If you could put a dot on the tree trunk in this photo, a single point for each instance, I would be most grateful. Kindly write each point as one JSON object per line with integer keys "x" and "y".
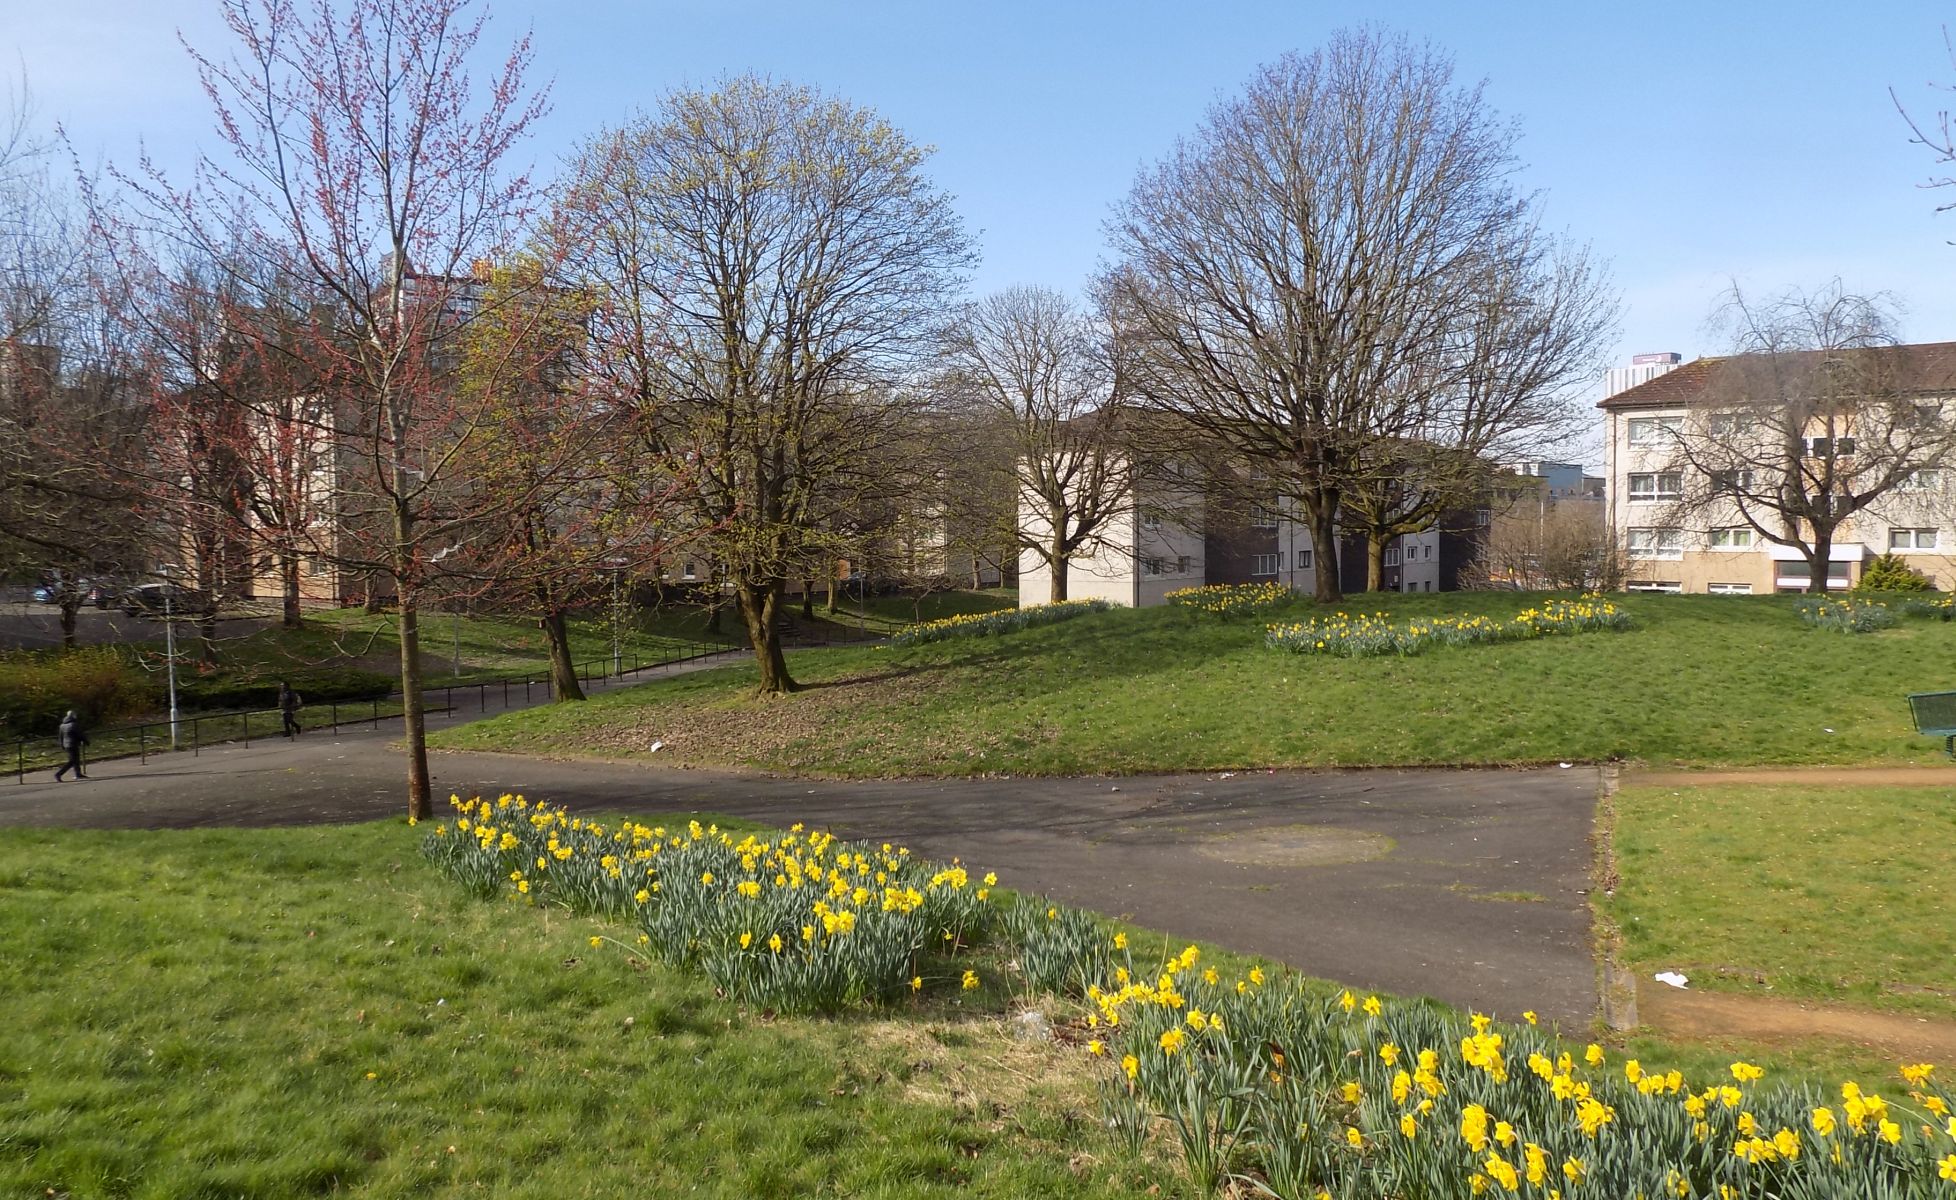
{"x": 69, "y": 607}
{"x": 1057, "y": 559}
{"x": 1818, "y": 552}
{"x": 808, "y": 599}
{"x": 1324, "y": 543}
{"x": 563, "y": 670}
{"x": 206, "y": 625}
{"x": 760, "y": 608}
{"x": 713, "y": 602}
{"x": 372, "y": 603}
{"x": 414, "y": 725}
{"x": 288, "y": 577}
{"x": 831, "y": 606}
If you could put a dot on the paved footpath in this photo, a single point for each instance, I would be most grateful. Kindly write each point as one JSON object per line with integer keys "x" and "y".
{"x": 1465, "y": 885}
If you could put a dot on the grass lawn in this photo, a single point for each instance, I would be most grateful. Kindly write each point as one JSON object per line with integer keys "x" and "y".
{"x": 1837, "y": 893}
{"x": 292, "y": 1012}
{"x": 489, "y": 647}
{"x": 1699, "y": 680}
{"x": 300, "y": 1011}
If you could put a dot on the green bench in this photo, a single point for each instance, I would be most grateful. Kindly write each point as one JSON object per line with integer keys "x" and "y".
{"x": 1935, "y": 716}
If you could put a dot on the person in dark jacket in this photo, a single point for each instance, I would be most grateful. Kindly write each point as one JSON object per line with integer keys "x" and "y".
{"x": 288, "y": 708}
{"x": 72, "y": 738}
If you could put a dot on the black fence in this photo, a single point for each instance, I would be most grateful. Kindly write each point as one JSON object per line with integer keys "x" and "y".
{"x": 197, "y": 730}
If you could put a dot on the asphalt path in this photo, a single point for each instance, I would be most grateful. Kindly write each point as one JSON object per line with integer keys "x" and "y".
{"x": 1469, "y": 886}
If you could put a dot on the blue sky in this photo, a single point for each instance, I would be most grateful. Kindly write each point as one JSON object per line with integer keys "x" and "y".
{"x": 1691, "y": 144}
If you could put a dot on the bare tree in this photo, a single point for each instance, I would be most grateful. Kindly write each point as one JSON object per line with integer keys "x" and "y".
{"x": 1306, "y": 256}
{"x": 773, "y": 260}
{"x": 1030, "y": 366}
{"x": 1936, "y": 134}
{"x": 361, "y": 159}
{"x": 1538, "y": 543}
{"x": 1817, "y": 416}
{"x": 1505, "y": 384}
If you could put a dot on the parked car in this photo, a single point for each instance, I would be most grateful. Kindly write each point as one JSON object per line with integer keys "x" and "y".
{"x": 51, "y": 588}
{"x": 155, "y": 599}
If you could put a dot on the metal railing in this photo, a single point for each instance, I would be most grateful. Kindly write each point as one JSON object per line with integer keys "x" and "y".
{"x": 145, "y": 738}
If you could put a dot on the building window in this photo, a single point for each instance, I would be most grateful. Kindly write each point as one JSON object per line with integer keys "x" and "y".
{"x": 1821, "y": 447}
{"x": 1262, "y": 516}
{"x": 1729, "y": 589}
{"x": 1654, "y": 431}
{"x": 1737, "y": 537}
{"x": 1303, "y": 560}
{"x": 1727, "y": 423}
{"x": 316, "y": 567}
{"x": 1151, "y": 520}
{"x": 1911, "y": 539}
{"x": 1670, "y": 587}
{"x": 1263, "y": 564}
{"x": 1182, "y": 565}
{"x": 1795, "y": 576}
{"x": 1732, "y": 480}
{"x": 1392, "y": 556}
{"x": 1920, "y": 481}
{"x": 1665, "y": 485}
{"x": 1656, "y": 543}
{"x": 1429, "y": 550}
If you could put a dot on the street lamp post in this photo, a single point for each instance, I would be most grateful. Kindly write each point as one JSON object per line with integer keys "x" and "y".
{"x": 170, "y": 645}
{"x": 617, "y": 649}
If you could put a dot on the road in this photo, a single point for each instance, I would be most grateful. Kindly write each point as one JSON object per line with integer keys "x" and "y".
{"x": 1465, "y": 885}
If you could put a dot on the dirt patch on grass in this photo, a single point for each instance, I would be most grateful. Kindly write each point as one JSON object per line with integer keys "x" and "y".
{"x": 718, "y": 730}
{"x": 1702, "y": 1016}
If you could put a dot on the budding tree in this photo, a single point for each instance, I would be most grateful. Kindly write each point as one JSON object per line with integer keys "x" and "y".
{"x": 362, "y": 163}
{"x": 775, "y": 260}
{"x": 66, "y": 421}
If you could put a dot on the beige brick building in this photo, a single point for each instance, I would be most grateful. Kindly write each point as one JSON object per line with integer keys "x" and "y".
{"x": 1686, "y": 529}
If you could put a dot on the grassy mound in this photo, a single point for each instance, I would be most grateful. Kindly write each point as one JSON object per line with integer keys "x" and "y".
{"x": 1696, "y": 680}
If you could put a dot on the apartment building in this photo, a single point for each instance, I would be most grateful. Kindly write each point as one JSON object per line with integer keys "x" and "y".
{"x": 1695, "y": 456}
{"x": 1175, "y": 535}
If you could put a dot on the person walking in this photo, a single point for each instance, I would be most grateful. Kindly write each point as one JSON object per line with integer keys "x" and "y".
{"x": 288, "y": 708}
{"x": 72, "y": 737}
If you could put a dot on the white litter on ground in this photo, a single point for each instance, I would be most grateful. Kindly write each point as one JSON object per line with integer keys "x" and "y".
{"x": 1671, "y": 977}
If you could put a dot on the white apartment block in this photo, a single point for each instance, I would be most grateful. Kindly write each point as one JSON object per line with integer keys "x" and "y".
{"x": 1707, "y": 547}
{"x": 1163, "y": 542}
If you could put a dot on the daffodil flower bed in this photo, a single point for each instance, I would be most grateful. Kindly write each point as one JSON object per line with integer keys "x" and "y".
{"x": 991, "y": 624}
{"x": 1847, "y": 614}
{"x": 1362, "y": 635}
{"x": 797, "y": 924}
{"x": 1304, "y": 1095}
{"x": 1230, "y": 599}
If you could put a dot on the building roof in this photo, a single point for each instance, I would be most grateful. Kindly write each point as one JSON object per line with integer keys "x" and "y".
{"x": 1924, "y": 368}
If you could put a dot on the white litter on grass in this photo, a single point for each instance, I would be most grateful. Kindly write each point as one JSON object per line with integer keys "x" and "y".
{"x": 1564, "y": 766}
{"x": 1824, "y": 729}
{"x": 658, "y": 746}
{"x": 1032, "y": 1026}
{"x": 1671, "y": 977}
